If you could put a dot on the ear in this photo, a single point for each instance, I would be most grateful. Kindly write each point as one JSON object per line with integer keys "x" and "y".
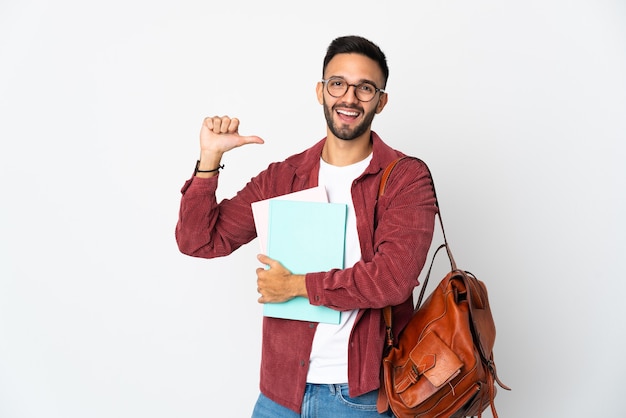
{"x": 319, "y": 89}
{"x": 382, "y": 102}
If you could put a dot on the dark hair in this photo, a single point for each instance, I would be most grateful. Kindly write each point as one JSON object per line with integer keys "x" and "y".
{"x": 357, "y": 45}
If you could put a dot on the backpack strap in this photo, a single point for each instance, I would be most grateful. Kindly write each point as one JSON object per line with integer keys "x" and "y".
{"x": 381, "y": 190}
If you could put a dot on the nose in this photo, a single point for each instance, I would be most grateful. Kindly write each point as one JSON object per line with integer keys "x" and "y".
{"x": 350, "y": 94}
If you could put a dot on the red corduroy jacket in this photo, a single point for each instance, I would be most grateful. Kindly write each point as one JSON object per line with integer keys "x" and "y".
{"x": 395, "y": 235}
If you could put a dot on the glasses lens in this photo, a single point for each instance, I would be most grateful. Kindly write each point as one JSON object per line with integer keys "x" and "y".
{"x": 365, "y": 92}
{"x": 336, "y": 87}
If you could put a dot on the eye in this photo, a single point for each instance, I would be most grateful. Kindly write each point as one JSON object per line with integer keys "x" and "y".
{"x": 367, "y": 88}
{"x": 337, "y": 82}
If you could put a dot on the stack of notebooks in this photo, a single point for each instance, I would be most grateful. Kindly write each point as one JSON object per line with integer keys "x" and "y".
{"x": 306, "y": 234}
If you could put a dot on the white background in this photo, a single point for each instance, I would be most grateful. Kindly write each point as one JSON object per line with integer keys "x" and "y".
{"x": 519, "y": 108}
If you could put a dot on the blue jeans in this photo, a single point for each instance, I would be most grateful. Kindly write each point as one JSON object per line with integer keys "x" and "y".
{"x": 323, "y": 401}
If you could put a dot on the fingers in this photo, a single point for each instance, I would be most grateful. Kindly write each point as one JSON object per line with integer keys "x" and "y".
{"x": 222, "y": 124}
{"x": 272, "y": 282}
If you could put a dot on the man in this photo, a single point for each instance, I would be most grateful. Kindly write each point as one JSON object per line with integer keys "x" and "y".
{"x": 311, "y": 369}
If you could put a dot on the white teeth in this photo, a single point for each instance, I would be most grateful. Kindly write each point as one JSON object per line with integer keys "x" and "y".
{"x": 344, "y": 112}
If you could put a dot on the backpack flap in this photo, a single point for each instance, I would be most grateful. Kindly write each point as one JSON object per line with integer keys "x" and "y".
{"x": 431, "y": 364}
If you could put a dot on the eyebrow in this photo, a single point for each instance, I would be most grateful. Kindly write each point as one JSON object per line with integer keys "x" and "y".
{"x": 363, "y": 80}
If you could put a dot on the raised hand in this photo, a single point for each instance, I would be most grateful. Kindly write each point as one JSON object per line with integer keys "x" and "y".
{"x": 218, "y": 135}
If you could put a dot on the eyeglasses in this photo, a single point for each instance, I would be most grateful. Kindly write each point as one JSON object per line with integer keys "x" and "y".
{"x": 337, "y": 87}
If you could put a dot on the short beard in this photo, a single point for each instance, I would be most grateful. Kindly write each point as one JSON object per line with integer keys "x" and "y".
{"x": 345, "y": 133}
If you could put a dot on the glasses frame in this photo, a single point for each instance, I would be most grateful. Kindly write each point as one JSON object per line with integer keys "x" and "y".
{"x": 376, "y": 89}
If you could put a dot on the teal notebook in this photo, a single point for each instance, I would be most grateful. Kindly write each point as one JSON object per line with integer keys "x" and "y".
{"x": 306, "y": 237}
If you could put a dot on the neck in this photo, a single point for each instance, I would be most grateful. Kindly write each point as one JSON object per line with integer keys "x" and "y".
{"x": 340, "y": 153}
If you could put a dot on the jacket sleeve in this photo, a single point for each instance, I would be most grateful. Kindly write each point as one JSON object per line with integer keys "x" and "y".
{"x": 207, "y": 229}
{"x": 403, "y": 232}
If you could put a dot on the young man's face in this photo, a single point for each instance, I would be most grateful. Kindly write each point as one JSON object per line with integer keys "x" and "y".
{"x": 347, "y": 116}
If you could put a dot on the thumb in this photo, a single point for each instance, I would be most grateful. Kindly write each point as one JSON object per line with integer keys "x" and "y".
{"x": 266, "y": 260}
{"x": 251, "y": 139}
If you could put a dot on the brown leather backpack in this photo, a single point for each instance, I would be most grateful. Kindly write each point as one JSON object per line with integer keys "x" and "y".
{"x": 441, "y": 364}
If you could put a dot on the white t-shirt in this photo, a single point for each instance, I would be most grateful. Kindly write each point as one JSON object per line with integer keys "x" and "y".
{"x": 329, "y": 355}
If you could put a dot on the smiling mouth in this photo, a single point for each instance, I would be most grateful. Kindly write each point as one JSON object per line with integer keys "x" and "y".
{"x": 348, "y": 113}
